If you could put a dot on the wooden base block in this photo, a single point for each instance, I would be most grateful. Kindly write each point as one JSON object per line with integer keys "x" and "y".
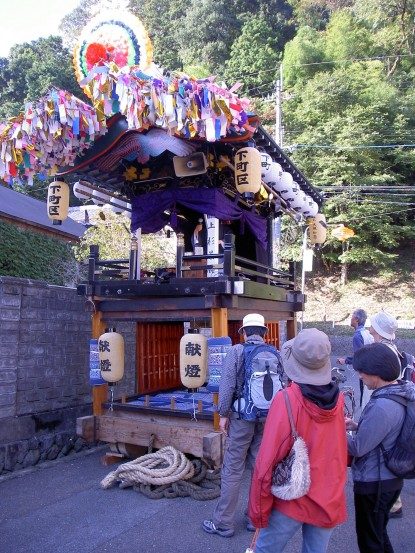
{"x": 85, "y": 427}
{"x": 112, "y": 458}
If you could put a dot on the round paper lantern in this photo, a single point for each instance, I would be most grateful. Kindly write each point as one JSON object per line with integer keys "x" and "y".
{"x": 193, "y": 359}
{"x": 289, "y": 189}
{"x": 58, "y": 201}
{"x": 318, "y": 229}
{"x": 266, "y": 162}
{"x": 111, "y": 355}
{"x": 100, "y": 198}
{"x": 273, "y": 175}
{"x": 248, "y": 171}
{"x": 118, "y": 205}
{"x": 311, "y": 208}
{"x": 298, "y": 202}
{"x": 82, "y": 191}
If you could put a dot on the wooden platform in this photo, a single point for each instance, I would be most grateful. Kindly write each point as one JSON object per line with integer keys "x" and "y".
{"x": 195, "y": 437}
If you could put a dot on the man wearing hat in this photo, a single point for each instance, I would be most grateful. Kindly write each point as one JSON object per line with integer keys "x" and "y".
{"x": 318, "y": 414}
{"x": 243, "y": 437}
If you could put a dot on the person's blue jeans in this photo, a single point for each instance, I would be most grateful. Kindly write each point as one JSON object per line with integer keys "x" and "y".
{"x": 281, "y": 529}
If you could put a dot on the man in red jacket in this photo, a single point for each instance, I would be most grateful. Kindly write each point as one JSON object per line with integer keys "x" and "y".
{"x": 318, "y": 412}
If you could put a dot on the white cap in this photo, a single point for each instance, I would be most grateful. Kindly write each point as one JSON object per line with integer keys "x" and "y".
{"x": 384, "y": 324}
{"x": 252, "y": 319}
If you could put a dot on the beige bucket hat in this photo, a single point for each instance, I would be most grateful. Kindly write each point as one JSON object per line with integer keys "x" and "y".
{"x": 306, "y": 358}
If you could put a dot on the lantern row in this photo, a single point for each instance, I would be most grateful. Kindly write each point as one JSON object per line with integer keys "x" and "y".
{"x": 252, "y": 167}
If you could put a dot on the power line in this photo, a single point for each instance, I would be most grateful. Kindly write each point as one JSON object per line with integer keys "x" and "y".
{"x": 294, "y": 147}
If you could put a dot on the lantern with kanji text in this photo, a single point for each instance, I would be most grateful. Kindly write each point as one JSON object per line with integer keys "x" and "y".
{"x": 318, "y": 229}
{"x": 193, "y": 359}
{"x": 111, "y": 355}
{"x": 58, "y": 201}
{"x": 248, "y": 172}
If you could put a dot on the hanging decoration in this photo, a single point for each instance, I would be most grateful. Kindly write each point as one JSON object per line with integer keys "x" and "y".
{"x": 318, "y": 229}
{"x": 49, "y": 134}
{"x": 248, "y": 171}
{"x": 113, "y": 36}
{"x": 58, "y": 201}
{"x": 342, "y": 233}
{"x": 193, "y": 359}
{"x": 111, "y": 355}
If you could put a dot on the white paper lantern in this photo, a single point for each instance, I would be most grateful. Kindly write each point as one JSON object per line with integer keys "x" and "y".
{"x": 111, "y": 355}
{"x": 299, "y": 202}
{"x": 273, "y": 176}
{"x": 318, "y": 229}
{"x": 248, "y": 171}
{"x": 266, "y": 162}
{"x": 311, "y": 209}
{"x": 100, "y": 198}
{"x": 117, "y": 205}
{"x": 193, "y": 359}
{"x": 82, "y": 191}
{"x": 58, "y": 201}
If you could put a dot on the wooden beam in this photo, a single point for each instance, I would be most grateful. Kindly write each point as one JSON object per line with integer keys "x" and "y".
{"x": 186, "y": 435}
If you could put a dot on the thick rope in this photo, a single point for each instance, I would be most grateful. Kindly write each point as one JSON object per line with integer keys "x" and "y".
{"x": 162, "y": 467}
{"x": 203, "y": 486}
{"x": 167, "y": 473}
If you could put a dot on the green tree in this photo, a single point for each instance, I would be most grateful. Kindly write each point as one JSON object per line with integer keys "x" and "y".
{"x": 347, "y": 38}
{"x": 207, "y": 33}
{"x": 303, "y": 56}
{"x": 379, "y": 232}
{"x": 254, "y": 58}
{"x": 31, "y": 69}
{"x": 111, "y": 233}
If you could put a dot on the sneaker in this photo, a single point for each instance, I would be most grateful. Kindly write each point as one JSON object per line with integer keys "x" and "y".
{"x": 250, "y": 527}
{"x": 396, "y": 514}
{"x": 210, "y": 527}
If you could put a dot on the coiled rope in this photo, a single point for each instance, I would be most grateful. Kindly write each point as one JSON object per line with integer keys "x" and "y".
{"x": 166, "y": 473}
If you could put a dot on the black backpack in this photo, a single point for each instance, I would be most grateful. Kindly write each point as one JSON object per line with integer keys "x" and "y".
{"x": 401, "y": 458}
{"x": 407, "y": 366}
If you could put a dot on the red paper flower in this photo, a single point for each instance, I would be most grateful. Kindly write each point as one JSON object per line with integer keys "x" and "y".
{"x": 95, "y": 54}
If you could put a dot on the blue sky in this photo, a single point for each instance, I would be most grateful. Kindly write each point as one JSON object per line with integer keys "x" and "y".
{"x": 26, "y": 20}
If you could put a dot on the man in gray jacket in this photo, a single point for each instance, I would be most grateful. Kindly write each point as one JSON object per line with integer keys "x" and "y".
{"x": 243, "y": 437}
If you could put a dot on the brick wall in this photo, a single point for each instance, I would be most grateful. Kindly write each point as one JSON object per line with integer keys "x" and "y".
{"x": 44, "y": 370}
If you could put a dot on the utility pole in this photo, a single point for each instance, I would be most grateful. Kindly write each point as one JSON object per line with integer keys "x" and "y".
{"x": 278, "y": 108}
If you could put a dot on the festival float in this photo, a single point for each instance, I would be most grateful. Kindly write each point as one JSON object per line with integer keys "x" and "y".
{"x": 180, "y": 153}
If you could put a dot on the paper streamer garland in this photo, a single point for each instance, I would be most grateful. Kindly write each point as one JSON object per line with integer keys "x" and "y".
{"x": 187, "y": 107}
{"x": 50, "y": 134}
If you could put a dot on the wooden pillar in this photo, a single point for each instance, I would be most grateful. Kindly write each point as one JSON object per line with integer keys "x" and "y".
{"x": 99, "y": 393}
{"x": 219, "y": 317}
{"x": 292, "y": 328}
{"x": 219, "y": 321}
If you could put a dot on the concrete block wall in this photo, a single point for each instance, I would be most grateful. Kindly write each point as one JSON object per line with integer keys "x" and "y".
{"x": 44, "y": 370}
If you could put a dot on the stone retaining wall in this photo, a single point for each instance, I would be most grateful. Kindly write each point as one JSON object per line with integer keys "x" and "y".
{"x": 44, "y": 371}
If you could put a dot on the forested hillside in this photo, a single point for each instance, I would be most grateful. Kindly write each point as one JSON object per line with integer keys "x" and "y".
{"x": 348, "y": 98}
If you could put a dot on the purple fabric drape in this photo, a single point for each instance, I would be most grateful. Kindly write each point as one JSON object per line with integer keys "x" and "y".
{"x": 148, "y": 209}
